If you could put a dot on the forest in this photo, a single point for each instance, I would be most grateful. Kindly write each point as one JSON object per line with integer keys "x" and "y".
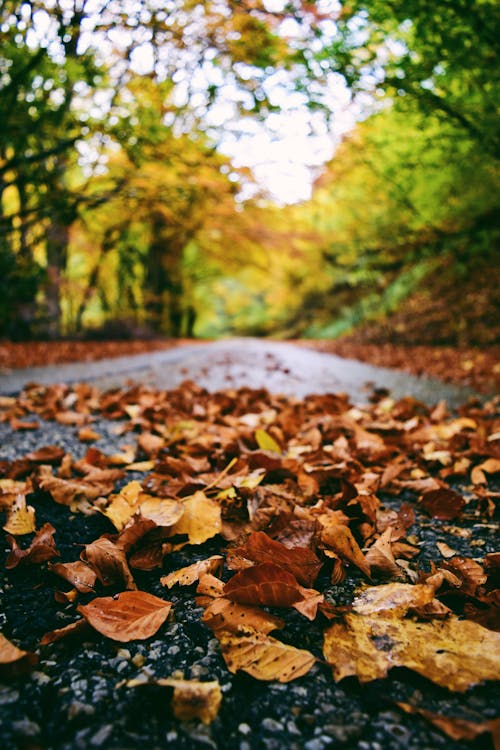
{"x": 121, "y": 215}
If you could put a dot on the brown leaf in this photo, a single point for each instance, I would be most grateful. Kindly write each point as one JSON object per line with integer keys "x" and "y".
{"x": 381, "y": 558}
{"x": 223, "y": 614}
{"x": 265, "y": 583}
{"x": 42, "y": 548}
{"x": 263, "y": 657}
{"x": 299, "y": 561}
{"x": 339, "y": 538}
{"x": 48, "y": 454}
{"x": 79, "y": 628}
{"x": 109, "y": 562}
{"x": 88, "y": 435}
{"x": 191, "y": 699}
{"x": 455, "y": 727}
{"x": 131, "y": 615}
{"x": 443, "y": 504}
{"x": 191, "y": 573}
{"x": 78, "y": 574}
{"x": 455, "y": 654}
{"x": 13, "y": 660}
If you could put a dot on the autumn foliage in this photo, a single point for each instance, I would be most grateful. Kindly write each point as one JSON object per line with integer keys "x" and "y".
{"x": 298, "y": 497}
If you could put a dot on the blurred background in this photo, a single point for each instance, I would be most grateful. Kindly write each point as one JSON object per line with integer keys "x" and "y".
{"x": 267, "y": 168}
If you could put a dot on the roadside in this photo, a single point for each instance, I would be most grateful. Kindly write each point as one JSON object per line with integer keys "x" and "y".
{"x": 467, "y": 366}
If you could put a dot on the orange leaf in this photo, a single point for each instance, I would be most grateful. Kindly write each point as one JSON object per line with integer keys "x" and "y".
{"x": 14, "y": 660}
{"x": 339, "y": 538}
{"x": 266, "y": 584}
{"x": 131, "y": 615}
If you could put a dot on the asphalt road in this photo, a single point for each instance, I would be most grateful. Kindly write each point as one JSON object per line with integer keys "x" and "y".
{"x": 232, "y": 363}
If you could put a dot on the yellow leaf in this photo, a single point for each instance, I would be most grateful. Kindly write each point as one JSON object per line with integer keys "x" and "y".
{"x": 201, "y": 519}
{"x": 453, "y": 653}
{"x": 191, "y": 573}
{"x": 266, "y": 442}
{"x": 264, "y": 657}
{"x": 20, "y": 517}
{"x": 191, "y": 699}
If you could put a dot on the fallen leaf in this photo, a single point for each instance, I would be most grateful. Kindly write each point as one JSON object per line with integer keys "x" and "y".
{"x": 264, "y": 657}
{"x": 265, "y": 583}
{"x": 191, "y": 573}
{"x": 223, "y": 614}
{"x": 266, "y": 442}
{"x": 78, "y": 574}
{"x": 130, "y": 616}
{"x": 42, "y": 548}
{"x": 455, "y": 727}
{"x": 109, "y": 562}
{"x": 443, "y": 504}
{"x": 201, "y": 519}
{"x": 340, "y": 539}
{"x": 20, "y": 517}
{"x": 453, "y": 653}
{"x": 299, "y": 561}
{"x": 191, "y": 699}
{"x": 13, "y": 660}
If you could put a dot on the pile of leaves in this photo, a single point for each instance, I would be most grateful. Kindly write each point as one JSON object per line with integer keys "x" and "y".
{"x": 297, "y": 497}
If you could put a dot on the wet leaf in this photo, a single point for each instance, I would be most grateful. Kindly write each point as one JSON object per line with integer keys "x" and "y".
{"x": 78, "y": 574}
{"x": 130, "y": 616}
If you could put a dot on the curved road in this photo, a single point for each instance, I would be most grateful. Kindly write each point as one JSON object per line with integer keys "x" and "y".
{"x": 231, "y": 363}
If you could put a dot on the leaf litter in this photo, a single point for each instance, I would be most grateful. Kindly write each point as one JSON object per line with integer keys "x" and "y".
{"x": 298, "y": 497}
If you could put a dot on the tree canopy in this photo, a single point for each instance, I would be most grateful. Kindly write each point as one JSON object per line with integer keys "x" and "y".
{"x": 119, "y": 209}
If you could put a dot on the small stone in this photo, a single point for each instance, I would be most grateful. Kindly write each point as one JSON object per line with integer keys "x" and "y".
{"x": 100, "y": 737}
{"x": 244, "y": 728}
{"x": 26, "y": 728}
{"x": 272, "y": 725}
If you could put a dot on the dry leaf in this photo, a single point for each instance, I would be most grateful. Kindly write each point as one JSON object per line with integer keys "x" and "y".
{"x": 109, "y": 562}
{"x": 340, "y": 539}
{"x": 80, "y": 628}
{"x": 191, "y": 699}
{"x": 13, "y": 660}
{"x": 266, "y": 442}
{"x": 264, "y": 658}
{"x": 191, "y": 573}
{"x": 201, "y": 519}
{"x": 266, "y": 584}
{"x": 396, "y": 598}
{"x": 42, "y": 548}
{"x": 223, "y": 614}
{"x": 130, "y": 616}
{"x": 78, "y": 574}
{"x": 455, "y": 654}
{"x": 20, "y": 517}
{"x": 299, "y": 561}
{"x": 443, "y": 504}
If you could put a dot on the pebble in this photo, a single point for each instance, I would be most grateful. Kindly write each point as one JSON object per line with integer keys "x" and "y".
{"x": 100, "y": 737}
{"x": 272, "y": 725}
